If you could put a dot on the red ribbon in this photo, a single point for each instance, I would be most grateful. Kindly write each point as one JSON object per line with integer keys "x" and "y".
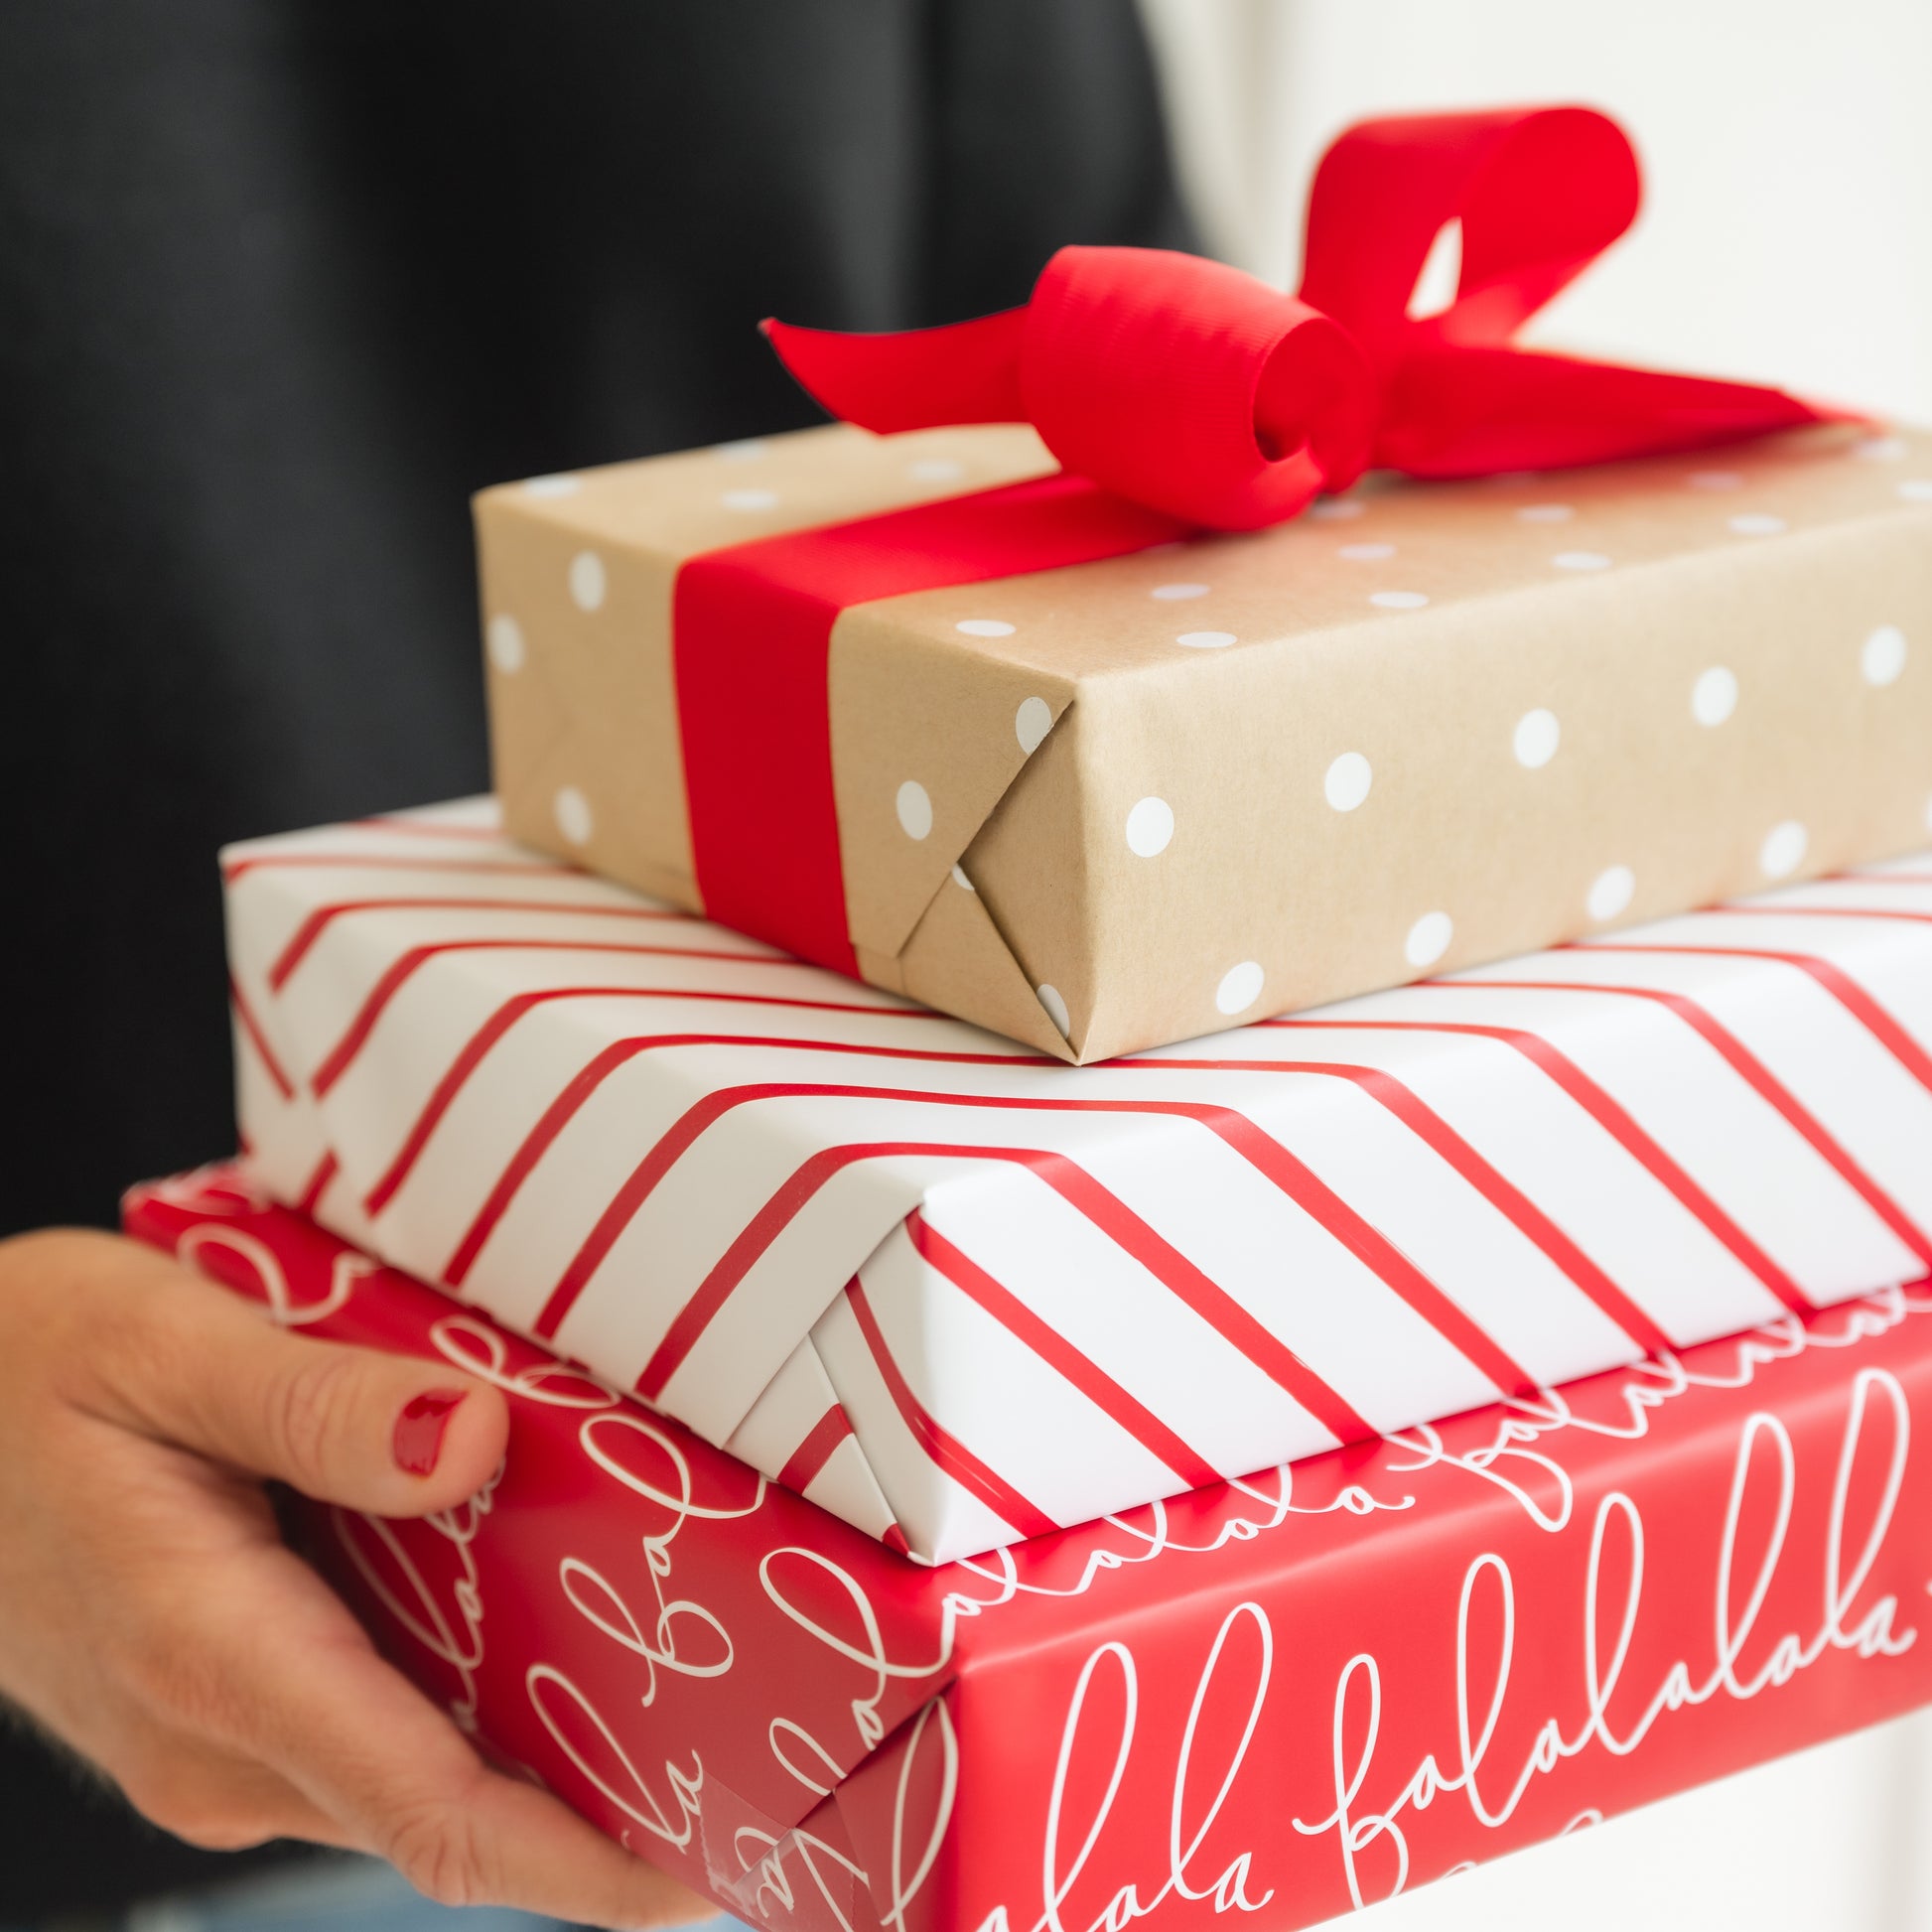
{"x": 1178, "y": 394}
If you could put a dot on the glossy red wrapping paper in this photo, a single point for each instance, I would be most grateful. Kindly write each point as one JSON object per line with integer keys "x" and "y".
{"x": 1260, "y": 1703}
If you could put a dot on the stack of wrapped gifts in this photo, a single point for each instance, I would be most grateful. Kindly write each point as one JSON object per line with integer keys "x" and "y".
{"x": 1198, "y": 1185}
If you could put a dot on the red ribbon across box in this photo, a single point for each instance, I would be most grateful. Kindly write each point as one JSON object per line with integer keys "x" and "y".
{"x": 1180, "y": 395}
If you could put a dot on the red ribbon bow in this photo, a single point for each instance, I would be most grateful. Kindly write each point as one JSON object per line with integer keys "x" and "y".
{"x": 1178, "y": 394}
{"x": 1194, "y": 389}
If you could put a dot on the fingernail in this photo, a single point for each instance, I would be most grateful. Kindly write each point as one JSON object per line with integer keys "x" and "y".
{"x": 418, "y": 1439}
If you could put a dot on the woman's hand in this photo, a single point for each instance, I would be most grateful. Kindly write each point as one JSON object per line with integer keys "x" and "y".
{"x": 150, "y": 1615}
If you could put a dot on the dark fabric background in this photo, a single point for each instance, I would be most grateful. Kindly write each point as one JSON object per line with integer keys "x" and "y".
{"x": 280, "y": 284}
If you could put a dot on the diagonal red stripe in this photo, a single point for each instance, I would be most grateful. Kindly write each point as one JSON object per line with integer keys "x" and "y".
{"x": 1370, "y": 1246}
{"x": 324, "y": 916}
{"x": 384, "y": 861}
{"x": 1615, "y": 1121}
{"x": 1295, "y": 1178}
{"x": 259, "y": 1041}
{"x": 406, "y": 965}
{"x": 1061, "y": 1355}
{"x": 812, "y": 1454}
{"x": 1495, "y": 1186}
{"x": 1166, "y": 1262}
{"x": 1766, "y": 1085}
{"x": 558, "y": 1114}
{"x": 950, "y": 1455}
{"x": 1428, "y": 1126}
{"x": 1833, "y": 978}
{"x": 318, "y": 1186}
{"x": 1105, "y": 1211}
{"x": 1826, "y": 912}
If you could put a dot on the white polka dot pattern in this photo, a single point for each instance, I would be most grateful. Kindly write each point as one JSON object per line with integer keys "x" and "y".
{"x": 1345, "y": 784}
{"x": 1239, "y": 989}
{"x": 572, "y": 811}
{"x": 1883, "y": 656}
{"x": 504, "y": 637}
{"x": 1610, "y": 893}
{"x": 1536, "y": 739}
{"x": 1049, "y": 998}
{"x": 914, "y": 807}
{"x": 1428, "y": 940}
{"x": 1783, "y": 850}
{"x": 1150, "y": 827}
{"x": 587, "y": 582}
{"x": 1536, "y": 720}
{"x": 1714, "y": 697}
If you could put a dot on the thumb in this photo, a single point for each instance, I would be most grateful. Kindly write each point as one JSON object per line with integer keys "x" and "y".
{"x": 180, "y": 1359}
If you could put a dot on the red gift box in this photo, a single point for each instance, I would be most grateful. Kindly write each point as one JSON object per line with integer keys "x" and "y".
{"x": 1279, "y": 1697}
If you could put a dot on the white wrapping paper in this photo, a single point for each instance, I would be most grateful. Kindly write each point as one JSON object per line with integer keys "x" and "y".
{"x": 960, "y": 1294}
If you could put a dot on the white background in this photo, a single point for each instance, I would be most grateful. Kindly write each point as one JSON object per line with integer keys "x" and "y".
{"x": 1786, "y": 234}
{"x": 1786, "y": 237}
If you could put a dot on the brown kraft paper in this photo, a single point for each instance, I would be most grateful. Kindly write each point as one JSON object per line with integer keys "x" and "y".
{"x": 1424, "y": 725}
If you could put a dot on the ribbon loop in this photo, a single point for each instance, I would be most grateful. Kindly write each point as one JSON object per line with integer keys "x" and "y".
{"x": 1539, "y": 192}
{"x": 1191, "y": 387}
{"x": 1198, "y": 391}
{"x": 1179, "y": 383}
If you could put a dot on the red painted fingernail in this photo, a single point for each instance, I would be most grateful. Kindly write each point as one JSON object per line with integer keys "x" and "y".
{"x": 418, "y": 1439}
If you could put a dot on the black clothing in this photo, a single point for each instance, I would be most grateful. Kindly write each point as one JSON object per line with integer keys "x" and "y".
{"x": 281, "y": 282}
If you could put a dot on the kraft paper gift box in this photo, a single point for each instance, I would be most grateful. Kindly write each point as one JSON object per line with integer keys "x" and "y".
{"x": 977, "y": 714}
{"x": 1142, "y": 799}
{"x": 1281, "y": 1698}
{"x": 960, "y": 1294}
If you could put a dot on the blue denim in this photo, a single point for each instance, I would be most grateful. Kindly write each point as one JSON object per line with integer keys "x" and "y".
{"x": 329, "y": 1896}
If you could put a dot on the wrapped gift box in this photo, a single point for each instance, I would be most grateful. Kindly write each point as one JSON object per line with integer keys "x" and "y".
{"x": 961, "y": 1294}
{"x": 1148, "y": 798}
{"x": 1287, "y": 1696}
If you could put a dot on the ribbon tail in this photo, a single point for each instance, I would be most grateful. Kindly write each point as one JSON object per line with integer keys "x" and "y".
{"x": 1461, "y": 411}
{"x": 917, "y": 378}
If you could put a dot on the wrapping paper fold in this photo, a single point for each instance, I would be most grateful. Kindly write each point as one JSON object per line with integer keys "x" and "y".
{"x": 1283, "y": 1697}
{"x": 1147, "y": 797}
{"x": 960, "y": 1294}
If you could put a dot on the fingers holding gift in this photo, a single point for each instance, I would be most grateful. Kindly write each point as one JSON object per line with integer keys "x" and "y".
{"x": 188, "y": 1364}
{"x": 214, "y": 1800}
{"x": 399, "y": 1778}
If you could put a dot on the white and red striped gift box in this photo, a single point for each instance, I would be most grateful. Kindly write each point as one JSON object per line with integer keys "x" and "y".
{"x": 960, "y": 1294}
